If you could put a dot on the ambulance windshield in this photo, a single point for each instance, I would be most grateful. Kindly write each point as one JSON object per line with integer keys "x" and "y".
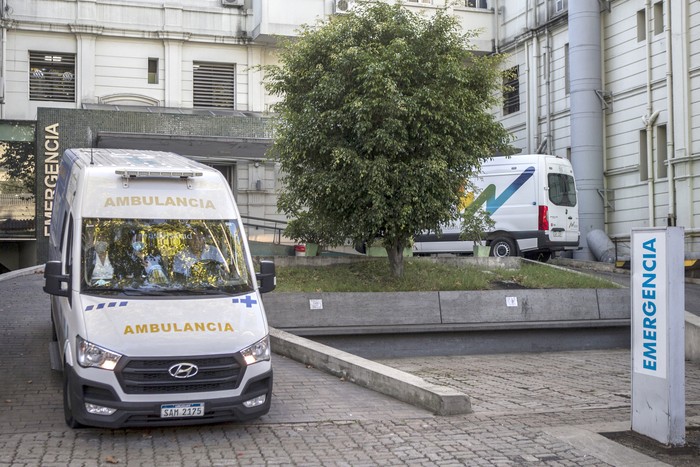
{"x": 163, "y": 257}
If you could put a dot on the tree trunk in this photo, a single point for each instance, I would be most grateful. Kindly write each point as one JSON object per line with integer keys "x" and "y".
{"x": 395, "y": 254}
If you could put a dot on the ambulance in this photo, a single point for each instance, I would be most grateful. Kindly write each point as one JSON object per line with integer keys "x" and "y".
{"x": 532, "y": 199}
{"x": 155, "y": 303}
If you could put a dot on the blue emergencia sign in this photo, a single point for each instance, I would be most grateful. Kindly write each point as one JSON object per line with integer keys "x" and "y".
{"x": 649, "y": 303}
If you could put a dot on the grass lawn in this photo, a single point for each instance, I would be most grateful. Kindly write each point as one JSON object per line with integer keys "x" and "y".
{"x": 373, "y": 275}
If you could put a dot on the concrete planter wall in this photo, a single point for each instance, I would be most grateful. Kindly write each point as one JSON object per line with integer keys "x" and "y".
{"x": 388, "y": 324}
{"x": 348, "y": 313}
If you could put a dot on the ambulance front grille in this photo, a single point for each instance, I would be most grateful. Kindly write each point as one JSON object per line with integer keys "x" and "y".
{"x": 153, "y": 375}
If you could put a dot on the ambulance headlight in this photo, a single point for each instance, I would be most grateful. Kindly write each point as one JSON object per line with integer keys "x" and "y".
{"x": 258, "y": 352}
{"x": 91, "y": 355}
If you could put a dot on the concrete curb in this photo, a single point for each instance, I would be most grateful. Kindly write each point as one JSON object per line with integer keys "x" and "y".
{"x": 22, "y": 272}
{"x": 590, "y": 439}
{"x": 381, "y": 378}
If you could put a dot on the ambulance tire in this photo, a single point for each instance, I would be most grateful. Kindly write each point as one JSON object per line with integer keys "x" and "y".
{"x": 502, "y": 247}
{"x": 67, "y": 410}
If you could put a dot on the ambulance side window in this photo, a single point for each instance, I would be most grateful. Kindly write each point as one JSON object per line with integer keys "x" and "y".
{"x": 67, "y": 247}
{"x": 61, "y": 243}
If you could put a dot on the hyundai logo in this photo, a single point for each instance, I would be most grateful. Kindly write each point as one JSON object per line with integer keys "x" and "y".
{"x": 183, "y": 370}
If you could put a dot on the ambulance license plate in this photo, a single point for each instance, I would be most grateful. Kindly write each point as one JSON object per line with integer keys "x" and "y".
{"x": 194, "y": 409}
{"x": 558, "y": 233}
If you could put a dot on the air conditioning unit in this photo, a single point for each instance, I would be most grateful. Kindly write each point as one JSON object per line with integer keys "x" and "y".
{"x": 343, "y": 6}
{"x": 234, "y": 3}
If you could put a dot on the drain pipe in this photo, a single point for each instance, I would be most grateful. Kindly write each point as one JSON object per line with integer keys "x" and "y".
{"x": 497, "y": 25}
{"x": 3, "y": 62}
{"x": 586, "y": 117}
{"x": 669, "y": 134}
{"x": 649, "y": 120}
{"x": 606, "y": 198}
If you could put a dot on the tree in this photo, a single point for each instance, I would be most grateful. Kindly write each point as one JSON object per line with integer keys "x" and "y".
{"x": 17, "y": 159}
{"x": 475, "y": 221}
{"x": 383, "y": 116}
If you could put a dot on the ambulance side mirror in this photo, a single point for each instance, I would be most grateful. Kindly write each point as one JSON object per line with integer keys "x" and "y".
{"x": 267, "y": 277}
{"x": 54, "y": 277}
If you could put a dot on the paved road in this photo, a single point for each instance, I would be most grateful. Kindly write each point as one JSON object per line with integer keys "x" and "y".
{"x": 530, "y": 409}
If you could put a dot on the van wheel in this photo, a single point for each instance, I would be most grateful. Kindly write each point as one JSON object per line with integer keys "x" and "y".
{"x": 67, "y": 410}
{"x": 502, "y": 247}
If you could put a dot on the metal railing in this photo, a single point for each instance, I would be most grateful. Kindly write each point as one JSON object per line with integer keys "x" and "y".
{"x": 254, "y": 224}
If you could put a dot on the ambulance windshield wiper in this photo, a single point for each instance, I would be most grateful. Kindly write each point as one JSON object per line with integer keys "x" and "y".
{"x": 102, "y": 290}
{"x": 198, "y": 291}
{"x": 141, "y": 291}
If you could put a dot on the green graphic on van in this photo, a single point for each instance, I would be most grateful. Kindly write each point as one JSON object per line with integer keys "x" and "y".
{"x": 493, "y": 202}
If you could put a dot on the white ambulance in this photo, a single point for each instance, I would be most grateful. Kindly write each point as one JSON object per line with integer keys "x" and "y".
{"x": 155, "y": 304}
{"x": 531, "y": 198}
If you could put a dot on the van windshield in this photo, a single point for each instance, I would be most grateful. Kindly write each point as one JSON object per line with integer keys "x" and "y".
{"x": 562, "y": 189}
{"x": 163, "y": 257}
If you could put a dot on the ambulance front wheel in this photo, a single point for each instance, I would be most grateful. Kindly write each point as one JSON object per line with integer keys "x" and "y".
{"x": 502, "y": 247}
{"x": 67, "y": 409}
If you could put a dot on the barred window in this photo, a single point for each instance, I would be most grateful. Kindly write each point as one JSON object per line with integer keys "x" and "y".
{"x": 51, "y": 76}
{"x": 511, "y": 91}
{"x": 476, "y": 4}
{"x": 214, "y": 85}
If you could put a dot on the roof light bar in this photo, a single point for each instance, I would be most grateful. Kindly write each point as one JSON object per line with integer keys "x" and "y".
{"x": 144, "y": 173}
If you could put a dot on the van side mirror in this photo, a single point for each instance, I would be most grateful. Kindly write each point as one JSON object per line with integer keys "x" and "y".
{"x": 267, "y": 277}
{"x": 55, "y": 279}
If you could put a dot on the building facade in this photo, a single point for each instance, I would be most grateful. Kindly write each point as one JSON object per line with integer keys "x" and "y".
{"x": 615, "y": 87}
{"x": 612, "y": 85}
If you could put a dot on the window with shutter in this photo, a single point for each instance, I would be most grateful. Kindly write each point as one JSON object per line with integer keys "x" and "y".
{"x": 214, "y": 85}
{"x": 511, "y": 91}
{"x": 51, "y": 76}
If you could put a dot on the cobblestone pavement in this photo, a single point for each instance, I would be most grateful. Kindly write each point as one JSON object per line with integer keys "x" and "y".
{"x": 521, "y": 404}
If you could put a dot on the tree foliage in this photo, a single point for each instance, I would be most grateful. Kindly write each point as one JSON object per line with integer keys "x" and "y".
{"x": 17, "y": 160}
{"x": 308, "y": 228}
{"x": 476, "y": 221}
{"x": 384, "y": 115}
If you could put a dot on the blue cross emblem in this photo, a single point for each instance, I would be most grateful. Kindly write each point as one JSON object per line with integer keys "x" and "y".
{"x": 248, "y": 300}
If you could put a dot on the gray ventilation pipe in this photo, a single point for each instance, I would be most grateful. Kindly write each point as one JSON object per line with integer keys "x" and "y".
{"x": 586, "y": 117}
{"x": 601, "y": 246}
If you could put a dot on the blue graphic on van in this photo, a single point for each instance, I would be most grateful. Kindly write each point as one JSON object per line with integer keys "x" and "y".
{"x": 100, "y": 306}
{"x": 248, "y": 300}
{"x": 493, "y": 202}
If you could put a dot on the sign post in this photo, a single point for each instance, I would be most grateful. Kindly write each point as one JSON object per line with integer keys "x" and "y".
{"x": 658, "y": 339}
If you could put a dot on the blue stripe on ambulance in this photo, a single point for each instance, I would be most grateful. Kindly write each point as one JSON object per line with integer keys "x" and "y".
{"x": 100, "y": 306}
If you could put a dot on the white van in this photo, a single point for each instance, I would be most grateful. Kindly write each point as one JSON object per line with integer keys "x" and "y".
{"x": 156, "y": 309}
{"x": 531, "y": 198}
